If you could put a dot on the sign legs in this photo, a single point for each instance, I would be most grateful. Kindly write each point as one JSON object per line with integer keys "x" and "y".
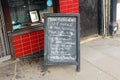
{"x": 78, "y": 68}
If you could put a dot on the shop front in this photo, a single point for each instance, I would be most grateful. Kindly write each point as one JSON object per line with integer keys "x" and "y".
{"x": 24, "y": 23}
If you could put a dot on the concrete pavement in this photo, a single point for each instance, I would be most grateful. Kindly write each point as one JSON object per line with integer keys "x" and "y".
{"x": 100, "y": 60}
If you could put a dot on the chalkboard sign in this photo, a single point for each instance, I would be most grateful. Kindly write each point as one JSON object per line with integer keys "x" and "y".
{"x": 62, "y": 39}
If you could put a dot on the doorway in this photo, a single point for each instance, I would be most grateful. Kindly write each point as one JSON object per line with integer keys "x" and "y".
{"x": 4, "y": 46}
{"x": 89, "y": 17}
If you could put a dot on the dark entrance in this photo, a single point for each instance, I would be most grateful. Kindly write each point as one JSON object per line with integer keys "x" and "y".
{"x": 4, "y": 47}
{"x": 89, "y": 17}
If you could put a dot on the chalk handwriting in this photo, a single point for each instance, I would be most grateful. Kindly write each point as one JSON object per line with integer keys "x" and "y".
{"x": 62, "y": 35}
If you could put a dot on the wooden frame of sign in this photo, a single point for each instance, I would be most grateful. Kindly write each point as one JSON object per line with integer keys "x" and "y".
{"x": 62, "y": 39}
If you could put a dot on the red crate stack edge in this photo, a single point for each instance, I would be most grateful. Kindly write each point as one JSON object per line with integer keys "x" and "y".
{"x": 28, "y": 43}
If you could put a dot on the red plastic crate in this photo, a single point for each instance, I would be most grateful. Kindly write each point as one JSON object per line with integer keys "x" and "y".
{"x": 27, "y": 52}
{"x": 18, "y": 55}
{"x": 35, "y": 49}
{"x": 25, "y": 35}
{"x": 17, "y": 51}
{"x": 69, "y": 6}
{"x": 28, "y": 47}
{"x": 16, "y": 38}
{"x": 17, "y": 46}
{"x": 28, "y": 43}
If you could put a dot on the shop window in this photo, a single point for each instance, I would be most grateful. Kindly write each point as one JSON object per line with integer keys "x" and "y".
{"x": 26, "y": 12}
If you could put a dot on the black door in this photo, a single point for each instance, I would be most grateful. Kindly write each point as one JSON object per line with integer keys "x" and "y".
{"x": 89, "y": 17}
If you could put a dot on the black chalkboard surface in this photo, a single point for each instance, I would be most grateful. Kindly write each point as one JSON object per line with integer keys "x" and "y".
{"x": 62, "y": 39}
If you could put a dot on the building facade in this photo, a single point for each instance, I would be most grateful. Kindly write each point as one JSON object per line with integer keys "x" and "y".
{"x": 22, "y": 22}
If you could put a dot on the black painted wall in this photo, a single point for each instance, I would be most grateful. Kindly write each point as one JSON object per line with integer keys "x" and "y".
{"x": 89, "y": 17}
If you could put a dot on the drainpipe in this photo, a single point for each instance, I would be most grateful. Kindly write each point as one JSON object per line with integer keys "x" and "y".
{"x": 103, "y": 20}
{"x": 104, "y": 16}
{"x": 113, "y": 24}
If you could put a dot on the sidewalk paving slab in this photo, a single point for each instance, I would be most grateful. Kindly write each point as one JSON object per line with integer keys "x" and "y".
{"x": 100, "y": 60}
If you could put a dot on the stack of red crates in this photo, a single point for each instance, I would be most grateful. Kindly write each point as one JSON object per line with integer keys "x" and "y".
{"x": 28, "y": 43}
